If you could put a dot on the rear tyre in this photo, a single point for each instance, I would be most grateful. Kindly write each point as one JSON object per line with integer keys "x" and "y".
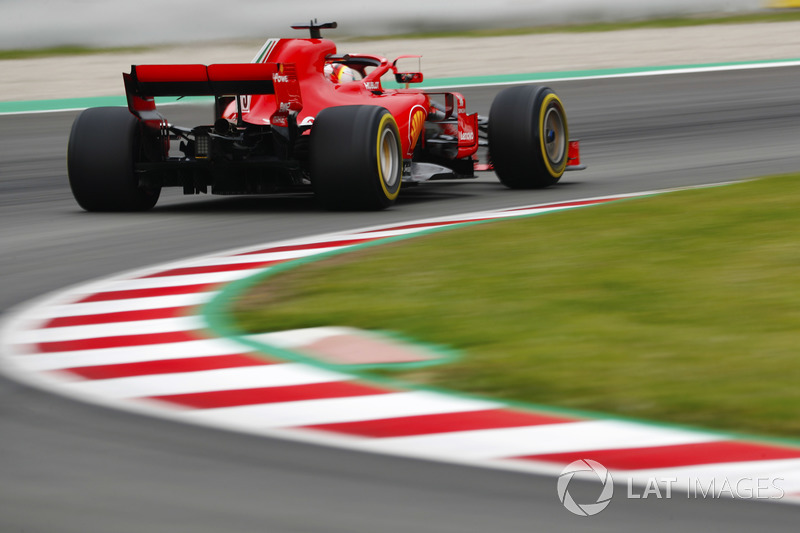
{"x": 356, "y": 160}
{"x": 104, "y": 144}
{"x": 528, "y": 137}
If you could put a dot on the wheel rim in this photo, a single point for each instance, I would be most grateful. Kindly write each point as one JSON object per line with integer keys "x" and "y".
{"x": 555, "y": 138}
{"x": 388, "y": 156}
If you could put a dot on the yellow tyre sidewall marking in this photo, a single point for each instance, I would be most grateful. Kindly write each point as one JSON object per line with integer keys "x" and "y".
{"x": 550, "y": 98}
{"x": 383, "y": 123}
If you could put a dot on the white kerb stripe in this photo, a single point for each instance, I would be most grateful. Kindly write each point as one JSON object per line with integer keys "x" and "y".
{"x": 746, "y": 474}
{"x": 536, "y": 440}
{"x": 116, "y": 329}
{"x": 264, "y": 257}
{"x": 127, "y": 354}
{"x": 225, "y": 379}
{"x": 126, "y": 304}
{"x": 327, "y": 411}
{"x": 388, "y": 233}
{"x": 159, "y": 282}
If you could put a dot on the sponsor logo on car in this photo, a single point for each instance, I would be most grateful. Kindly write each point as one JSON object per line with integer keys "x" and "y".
{"x": 415, "y": 122}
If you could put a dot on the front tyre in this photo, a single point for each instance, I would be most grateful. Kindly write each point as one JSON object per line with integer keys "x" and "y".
{"x": 356, "y": 160}
{"x": 528, "y": 137}
{"x": 104, "y": 144}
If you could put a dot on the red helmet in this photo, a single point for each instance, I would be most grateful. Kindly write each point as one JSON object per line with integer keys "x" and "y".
{"x": 339, "y": 73}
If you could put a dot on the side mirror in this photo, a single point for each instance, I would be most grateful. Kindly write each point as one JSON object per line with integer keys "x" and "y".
{"x": 408, "y": 77}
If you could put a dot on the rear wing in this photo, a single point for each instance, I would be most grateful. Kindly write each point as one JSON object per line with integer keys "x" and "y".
{"x": 145, "y": 82}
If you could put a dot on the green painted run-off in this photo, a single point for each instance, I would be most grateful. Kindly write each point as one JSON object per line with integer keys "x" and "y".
{"x": 64, "y": 104}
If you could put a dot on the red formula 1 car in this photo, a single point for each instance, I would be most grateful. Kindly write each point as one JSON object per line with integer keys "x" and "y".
{"x": 303, "y": 117}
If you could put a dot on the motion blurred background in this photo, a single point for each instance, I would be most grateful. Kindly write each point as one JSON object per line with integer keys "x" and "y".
{"x": 45, "y": 23}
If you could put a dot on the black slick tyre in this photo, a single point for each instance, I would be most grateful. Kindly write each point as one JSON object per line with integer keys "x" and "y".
{"x": 356, "y": 160}
{"x": 103, "y": 146}
{"x": 528, "y": 137}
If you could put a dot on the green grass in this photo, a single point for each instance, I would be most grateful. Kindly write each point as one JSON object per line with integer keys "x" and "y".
{"x": 662, "y": 22}
{"x": 682, "y": 308}
{"x": 68, "y": 50}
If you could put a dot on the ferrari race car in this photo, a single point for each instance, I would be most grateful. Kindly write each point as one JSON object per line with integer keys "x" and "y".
{"x": 289, "y": 121}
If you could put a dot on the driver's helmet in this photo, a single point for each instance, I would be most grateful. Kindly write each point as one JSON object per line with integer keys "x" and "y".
{"x": 338, "y": 73}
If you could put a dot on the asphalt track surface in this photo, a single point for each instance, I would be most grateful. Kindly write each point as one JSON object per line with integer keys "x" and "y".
{"x": 70, "y": 467}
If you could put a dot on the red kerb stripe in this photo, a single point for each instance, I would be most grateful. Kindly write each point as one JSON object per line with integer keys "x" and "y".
{"x": 118, "y": 342}
{"x": 121, "y": 316}
{"x": 146, "y": 293}
{"x": 166, "y": 366}
{"x": 310, "y": 246}
{"x": 291, "y": 393}
{"x": 673, "y": 456}
{"x": 567, "y": 204}
{"x": 430, "y": 224}
{"x": 441, "y": 423}
{"x": 211, "y": 269}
